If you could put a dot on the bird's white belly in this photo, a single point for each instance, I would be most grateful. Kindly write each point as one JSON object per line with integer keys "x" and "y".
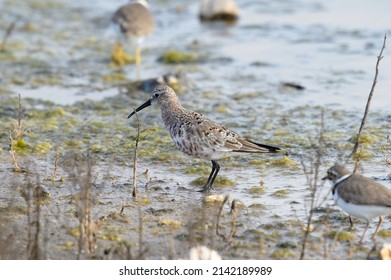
{"x": 366, "y": 212}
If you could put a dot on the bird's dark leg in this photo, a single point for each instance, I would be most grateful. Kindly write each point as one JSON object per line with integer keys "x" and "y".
{"x": 212, "y": 177}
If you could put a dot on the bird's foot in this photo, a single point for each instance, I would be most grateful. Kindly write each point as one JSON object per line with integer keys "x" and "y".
{"x": 206, "y": 188}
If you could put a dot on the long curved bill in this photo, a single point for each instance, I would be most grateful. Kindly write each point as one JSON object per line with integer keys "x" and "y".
{"x": 145, "y": 105}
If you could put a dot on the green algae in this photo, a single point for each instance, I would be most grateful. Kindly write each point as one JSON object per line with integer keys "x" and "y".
{"x": 365, "y": 138}
{"x": 115, "y": 77}
{"x": 281, "y": 193}
{"x": 113, "y": 140}
{"x": 287, "y": 245}
{"x": 280, "y": 254}
{"x": 285, "y": 162}
{"x": 384, "y": 233}
{"x": 13, "y": 210}
{"x": 220, "y": 181}
{"x": 198, "y": 169}
{"x": 171, "y": 223}
{"x": 256, "y": 190}
{"x": 43, "y": 148}
{"x": 363, "y": 155}
{"x": 110, "y": 237}
{"x": 47, "y": 80}
{"x": 69, "y": 244}
{"x": 258, "y": 206}
{"x": 45, "y": 5}
{"x": 342, "y": 236}
{"x": 98, "y": 148}
{"x": 75, "y": 232}
{"x": 20, "y": 145}
{"x": 176, "y": 57}
{"x": 145, "y": 201}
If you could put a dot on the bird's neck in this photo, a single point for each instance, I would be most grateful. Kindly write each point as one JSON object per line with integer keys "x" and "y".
{"x": 171, "y": 110}
{"x": 340, "y": 180}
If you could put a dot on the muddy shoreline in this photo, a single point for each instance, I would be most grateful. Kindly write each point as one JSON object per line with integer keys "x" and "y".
{"x": 77, "y": 142}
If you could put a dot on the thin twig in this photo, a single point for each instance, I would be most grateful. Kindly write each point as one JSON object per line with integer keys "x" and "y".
{"x": 313, "y": 184}
{"x": 135, "y": 153}
{"x": 380, "y": 56}
{"x": 20, "y": 120}
{"x": 56, "y": 167}
{"x": 122, "y": 207}
{"x": 141, "y": 250}
{"x": 226, "y": 198}
{"x": 12, "y": 153}
{"x": 7, "y": 34}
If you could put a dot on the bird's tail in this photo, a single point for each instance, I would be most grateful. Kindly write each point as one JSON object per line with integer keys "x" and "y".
{"x": 249, "y": 146}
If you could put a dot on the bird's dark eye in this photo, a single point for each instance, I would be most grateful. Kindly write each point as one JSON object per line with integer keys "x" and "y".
{"x": 331, "y": 174}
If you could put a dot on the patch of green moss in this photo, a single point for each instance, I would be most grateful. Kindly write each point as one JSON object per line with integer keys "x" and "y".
{"x": 281, "y": 254}
{"x": 174, "y": 224}
{"x": 225, "y": 182}
{"x": 258, "y": 206}
{"x": 282, "y": 133}
{"x": 365, "y": 139}
{"x": 144, "y": 201}
{"x": 43, "y": 147}
{"x": 341, "y": 236}
{"x": 281, "y": 193}
{"x": 220, "y": 181}
{"x": 13, "y": 210}
{"x": 18, "y": 80}
{"x": 253, "y": 232}
{"x": 198, "y": 169}
{"x": 20, "y": 146}
{"x": 221, "y": 109}
{"x": 75, "y": 232}
{"x": 287, "y": 245}
{"x": 285, "y": 161}
{"x": 240, "y": 96}
{"x": 273, "y": 236}
{"x": 110, "y": 237}
{"x": 384, "y": 233}
{"x": 69, "y": 244}
{"x": 73, "y": 143}
{"x": 45, "y": 5}
{"x": 166, "y": 156}
{"x": 175, "y": 57}
{"x": 98, "y": 148}
{"x": 258, "y": 162}
{"x": 47, "y": 80}
{"x": 362, "y": 154}
{"x": 256, "y": 189}
{"x": 115, "y": 77}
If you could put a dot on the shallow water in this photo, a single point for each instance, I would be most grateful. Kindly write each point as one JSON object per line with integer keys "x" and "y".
{"x": 328, "y": 48}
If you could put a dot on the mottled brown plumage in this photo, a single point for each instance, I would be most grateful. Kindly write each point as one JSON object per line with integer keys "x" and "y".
{"x": 198, "y": 136}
